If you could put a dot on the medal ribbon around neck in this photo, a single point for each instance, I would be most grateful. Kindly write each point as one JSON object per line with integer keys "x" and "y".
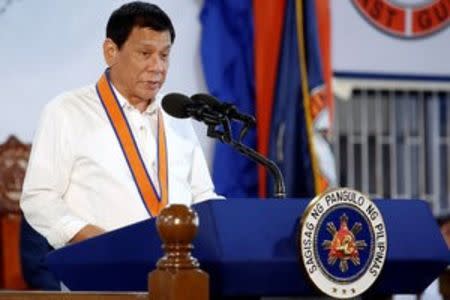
{"x": 153, "y": 202}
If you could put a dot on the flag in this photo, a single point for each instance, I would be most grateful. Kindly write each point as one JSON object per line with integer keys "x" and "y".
{"x": 300, "y": 118}
{"x": 227, "y": 60}
{"x": 265, "y": 57}
{"x": 267, "y": 39}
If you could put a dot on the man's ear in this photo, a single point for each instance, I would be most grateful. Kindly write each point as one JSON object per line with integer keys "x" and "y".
{"x": 110, "y": 52}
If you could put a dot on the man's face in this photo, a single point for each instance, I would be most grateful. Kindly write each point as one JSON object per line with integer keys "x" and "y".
{"x": 139, "y": 68}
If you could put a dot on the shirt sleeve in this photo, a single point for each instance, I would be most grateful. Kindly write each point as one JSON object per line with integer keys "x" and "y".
{"x": 202, "y": 186}
{"x": 47, "y": 178}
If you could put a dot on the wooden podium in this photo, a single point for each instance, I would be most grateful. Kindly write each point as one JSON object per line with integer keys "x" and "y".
{"x": 177, "y": 275}
{"x": 72, "y": 296}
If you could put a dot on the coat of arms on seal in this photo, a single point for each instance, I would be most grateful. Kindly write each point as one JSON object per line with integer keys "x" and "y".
{"x": 342, "y": 242}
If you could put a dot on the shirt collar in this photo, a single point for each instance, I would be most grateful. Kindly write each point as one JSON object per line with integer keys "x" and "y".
{"x": 152, "y": 108}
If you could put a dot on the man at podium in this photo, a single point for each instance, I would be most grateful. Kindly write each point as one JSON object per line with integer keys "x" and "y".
{"x": 106, "y": 155}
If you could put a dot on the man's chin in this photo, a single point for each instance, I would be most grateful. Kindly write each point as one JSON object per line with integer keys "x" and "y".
{"x": 149, "y": 95}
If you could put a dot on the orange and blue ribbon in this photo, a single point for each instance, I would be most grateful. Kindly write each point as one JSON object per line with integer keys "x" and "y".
{"x": 152, "y": 201}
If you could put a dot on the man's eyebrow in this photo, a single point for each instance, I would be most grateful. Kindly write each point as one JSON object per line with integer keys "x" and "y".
{"x": 168, "y": 47}
{"x": 151, "y": 47}
{"x": 153, "y": 43}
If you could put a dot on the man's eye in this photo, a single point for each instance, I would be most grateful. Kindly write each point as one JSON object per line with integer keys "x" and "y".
{"x": 145, "y": 53}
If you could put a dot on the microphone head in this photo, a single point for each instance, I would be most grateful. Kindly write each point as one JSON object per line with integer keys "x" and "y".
{"x": 209, "y": 100}
{"x": 176, "y": 104}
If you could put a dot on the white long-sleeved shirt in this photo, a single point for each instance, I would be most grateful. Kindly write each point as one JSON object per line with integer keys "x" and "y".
{"x": 77, "y": 173}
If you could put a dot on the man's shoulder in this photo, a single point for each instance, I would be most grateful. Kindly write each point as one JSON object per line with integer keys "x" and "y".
{"x": 73, "y": 99}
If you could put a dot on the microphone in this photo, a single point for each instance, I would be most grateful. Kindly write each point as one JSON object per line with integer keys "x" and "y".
{"x": 181, "y": 106}
{"x": 227, "y": 109}
{"x": 208, "y": 109}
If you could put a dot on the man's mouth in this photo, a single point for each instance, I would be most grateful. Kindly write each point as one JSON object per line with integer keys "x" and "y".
{"x": 152, "y": 84}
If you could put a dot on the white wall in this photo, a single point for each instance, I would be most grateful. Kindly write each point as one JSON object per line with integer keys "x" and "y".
{"x": 49, "y": 46}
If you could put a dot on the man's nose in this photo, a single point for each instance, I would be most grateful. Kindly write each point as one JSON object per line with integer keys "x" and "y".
{"x": 156, "y": 64}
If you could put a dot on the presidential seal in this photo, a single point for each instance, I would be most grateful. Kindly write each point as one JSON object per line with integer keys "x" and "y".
{"x": 342, "y": 242}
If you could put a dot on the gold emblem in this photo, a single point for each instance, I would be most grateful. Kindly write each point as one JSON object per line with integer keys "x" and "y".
{"x": 344, "y": 246}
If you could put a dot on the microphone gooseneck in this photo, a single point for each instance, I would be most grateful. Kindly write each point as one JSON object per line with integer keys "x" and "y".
{"x": 271, "y": 167}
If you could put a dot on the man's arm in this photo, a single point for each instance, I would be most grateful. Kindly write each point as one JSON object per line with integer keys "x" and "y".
{"x": 87, "y": 232}
{"x": 47, "y": 179}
